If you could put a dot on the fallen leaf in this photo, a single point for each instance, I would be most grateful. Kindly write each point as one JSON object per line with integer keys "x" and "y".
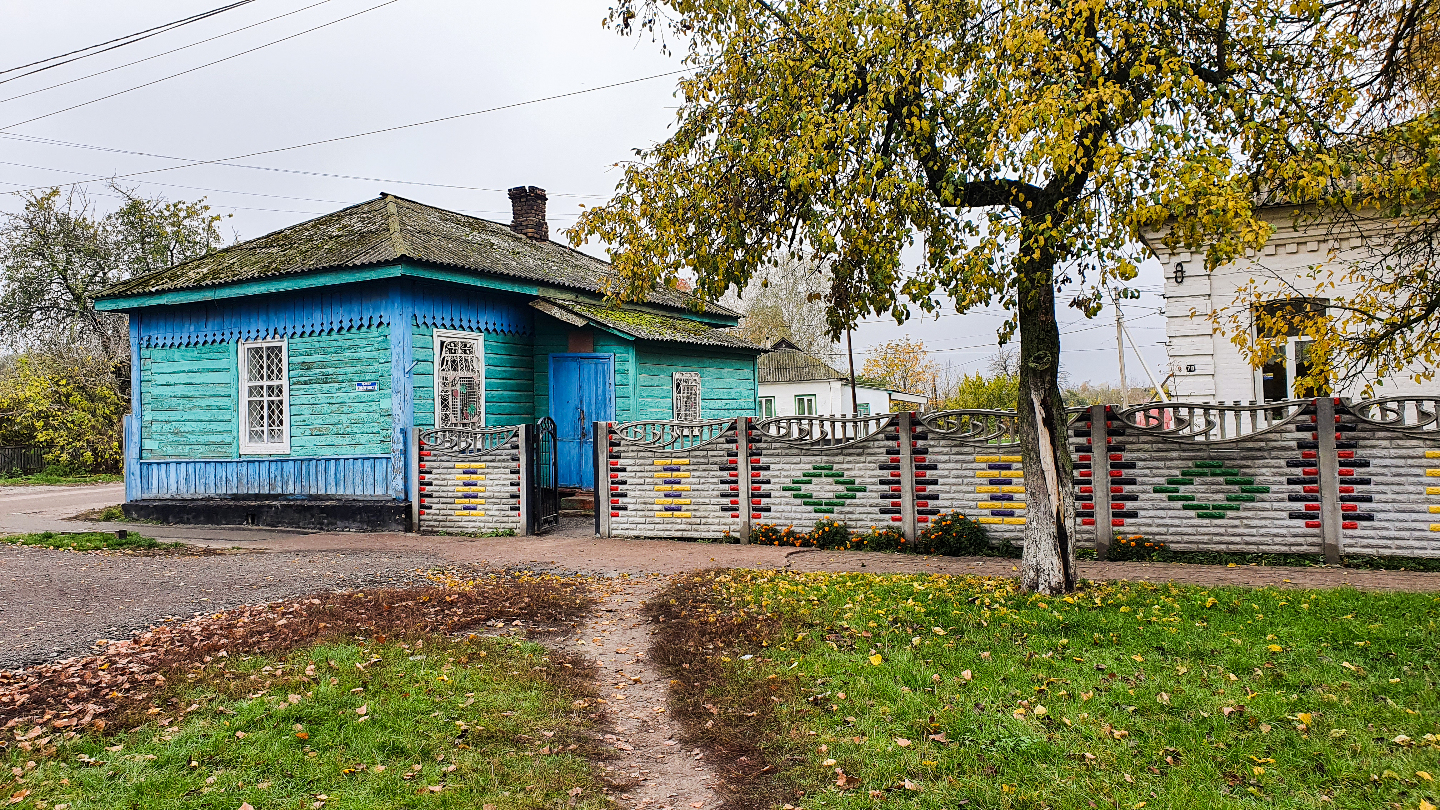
{"x": 843, "y": 780}
{"x": 1163, "y": 697}
{"x": 1424, "y": 775}
{"x": 243, "y": 806}
{"x": 363, "y": 710}
{"x": 875, "y": 659}
{"x": 902, "y": 742}
{"x": 940, "y": 738}
{"x": 910, "y": 785}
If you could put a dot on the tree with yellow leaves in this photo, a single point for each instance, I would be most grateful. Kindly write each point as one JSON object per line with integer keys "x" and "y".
{"x": 1022, "y": 143}
{"x": 901, "y": 365}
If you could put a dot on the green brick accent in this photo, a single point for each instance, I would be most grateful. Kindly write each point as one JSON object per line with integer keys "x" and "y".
{"x": 1180, "y": 497}
{"x": 822, "y": 466}
{"x": 824, "y": 510}
{"x": 1258, "y": 490}
{"x": 801, "y": 495}
{"x": 1196, "y": 506}
{"x": 857, "y": 489}
{"x": 802, "y": 481}
{"x": 790, "y": 488}
{"x": 814, "y": 502}
{"x": 1209, "y": 464}
{"x": 1228, "y": 507}
{"x": 1240, "y": 498}
{"x": 1166, "y": 489}
{"x": 846, "y": 481}
{"x": 1239, "y": 482}
{"x": 834, "y": 503}
{"x": 1180, "y": 482}
{"x": 840, "y": 474}
{"x": 847, "y": 496}
{"x": 1196, "y": 473}
{"x": 1210, "y": 515}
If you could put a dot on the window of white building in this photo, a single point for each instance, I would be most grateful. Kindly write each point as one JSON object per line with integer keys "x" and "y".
{"x": 805, "y": 405}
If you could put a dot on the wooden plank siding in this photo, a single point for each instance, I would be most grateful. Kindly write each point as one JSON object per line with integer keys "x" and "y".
{"x": 311, "y": 477}
{"x": 328, "y": 417}
{"x": 188, "y": 402}
{"x": 727, "y": 382}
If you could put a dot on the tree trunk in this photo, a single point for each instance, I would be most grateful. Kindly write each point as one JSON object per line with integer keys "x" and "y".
{"x": 1048, "y": 564}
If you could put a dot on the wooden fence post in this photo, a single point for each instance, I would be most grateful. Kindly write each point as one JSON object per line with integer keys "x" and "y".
{"x": 742, "y": 465}
{"x": 601, "y": 439}
{"x": 1100, "y": 479}
{"x": 906, "y": 430}
{"x": 1329, "y": 468}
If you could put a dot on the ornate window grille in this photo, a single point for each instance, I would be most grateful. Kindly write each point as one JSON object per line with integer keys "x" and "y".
{"x": 459, "y": 380}
{"x": 265, "y": 392}
{"x": 687, "y": 396}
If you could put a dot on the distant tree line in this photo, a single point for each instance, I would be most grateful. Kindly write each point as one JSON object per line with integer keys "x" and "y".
{"x": 64, "y": 366}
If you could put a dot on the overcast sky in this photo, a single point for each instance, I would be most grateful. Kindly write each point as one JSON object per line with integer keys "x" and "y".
{"x": 395, "y": 62}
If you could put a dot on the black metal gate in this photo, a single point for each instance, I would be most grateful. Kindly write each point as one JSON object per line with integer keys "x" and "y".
{"x": 544, "y": 477}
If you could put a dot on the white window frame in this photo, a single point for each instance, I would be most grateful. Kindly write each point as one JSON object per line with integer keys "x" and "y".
{"x": 479, "y": 340}
{"x": 677, "y": 379}
{"x": 801, "y": 410}
{"x": 767, "y": 403}
{"x": 247, "y": 447}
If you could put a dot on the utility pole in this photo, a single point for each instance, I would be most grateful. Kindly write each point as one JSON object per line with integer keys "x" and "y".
{"x": 1120, "y": 347}
{"x": 854, "y": 396}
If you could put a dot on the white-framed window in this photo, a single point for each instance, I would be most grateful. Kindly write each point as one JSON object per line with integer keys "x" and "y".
{"x": 862, "y": 409}
{"x": 804, "y": 404}
{"x": 459, "y": 380}
{"x": 767, "y": 407}
{"x": 686, "y": 395}
{"x": 264, "y": 397}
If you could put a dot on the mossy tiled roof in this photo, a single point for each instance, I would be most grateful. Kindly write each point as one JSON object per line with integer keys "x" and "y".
{"x": 647, "y": 325}
{"x": 792, "y": 365}
{"x": 387, "y": 230}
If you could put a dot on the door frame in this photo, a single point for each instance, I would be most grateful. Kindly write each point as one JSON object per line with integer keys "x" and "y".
{"x": 609, "y": 358}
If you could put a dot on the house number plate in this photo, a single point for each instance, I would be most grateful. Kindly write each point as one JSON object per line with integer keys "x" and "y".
{"x": 367, "y": 386}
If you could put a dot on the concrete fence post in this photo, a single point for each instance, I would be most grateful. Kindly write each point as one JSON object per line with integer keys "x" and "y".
{"x": 1100, "y": 479}
{"x": 1329, "y": 469}
{"x": 600, "y": 436}
{"x": 742, "y": 465}
{"x": 412, "y": 477}
{"x": 905, "y": 429}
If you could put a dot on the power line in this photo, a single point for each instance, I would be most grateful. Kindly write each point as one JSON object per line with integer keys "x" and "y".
{"x": 163, "y": 53}
{"x": 383, "y": 130}
{"x": 200, "y": 67}
{"x": 72, "y": 144}
{"x": 118, "y": 42}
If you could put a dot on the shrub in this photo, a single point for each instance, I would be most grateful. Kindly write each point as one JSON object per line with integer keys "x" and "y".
{"x": 954, "y": 535}
{"x": 1135, "y": 548}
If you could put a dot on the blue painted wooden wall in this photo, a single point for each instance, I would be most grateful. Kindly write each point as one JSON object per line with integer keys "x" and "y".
{"x": 727, "y": 382}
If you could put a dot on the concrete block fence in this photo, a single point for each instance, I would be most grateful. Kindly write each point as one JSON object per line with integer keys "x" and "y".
{"x": 1305, "y": 476}
{"x": 469, "y": 480}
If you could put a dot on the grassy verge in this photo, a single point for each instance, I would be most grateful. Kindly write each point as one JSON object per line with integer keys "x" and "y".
{"x": 843, "y": 690}
{"x": 437, "y": 724}
{"x": 357, "y": 700}
{"x": 89, "y": 541}
{"x": 55, "y": 476}
{"x": 1128, "y": 552}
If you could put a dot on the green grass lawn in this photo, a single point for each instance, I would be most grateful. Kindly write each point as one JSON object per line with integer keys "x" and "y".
{"x": 846, "y": 690}
{"x": 88, "y": 541}
{"x": 55, "y": 476}
{"x": 475, "y": 723}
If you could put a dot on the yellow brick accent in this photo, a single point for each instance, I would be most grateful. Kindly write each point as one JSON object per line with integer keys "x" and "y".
{"x": 1015, "y": 459}
{"x": 673, "y": 488}
{"x": 1016, "y": 521}
{"x": 480, "y": 501}
{"x": 1017, "y": 490}
{"x": 661, "y": 462}
{"x": 672, "y": 501}
{"x": 1432, "y": 454}
{"x": 1432, "y": 490}
{"x": 672, "y": 474}
{"x": 468, "y": 479}
{"x": 470, "y": 489}
{"x": 986, "y": 459}
{"x": 468, "y": 514}
{"x": 1015, "y": 473}
{"x": 1432, "y": 473}
{"x": 1435, "y": 527}
{"x": 1435, "y": 510}
{"x": 988, "y": 520}
{"x": 1001, "y": 505}
{"x": 674, "y": 514}
{"x": 991, "y": 488}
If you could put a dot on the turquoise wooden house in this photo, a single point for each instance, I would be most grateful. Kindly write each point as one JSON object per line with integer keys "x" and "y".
{"x": 276, "y": 381}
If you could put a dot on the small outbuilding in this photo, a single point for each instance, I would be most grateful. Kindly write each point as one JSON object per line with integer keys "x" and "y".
{"x": 795, "y": 383}
{"x": 277, "y": 381}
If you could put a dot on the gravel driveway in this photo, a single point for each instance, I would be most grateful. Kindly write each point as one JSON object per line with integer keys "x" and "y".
{"x": 55, "y": 604}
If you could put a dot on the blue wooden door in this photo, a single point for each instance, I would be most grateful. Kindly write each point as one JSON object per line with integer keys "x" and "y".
{"x": 582, "y": 391}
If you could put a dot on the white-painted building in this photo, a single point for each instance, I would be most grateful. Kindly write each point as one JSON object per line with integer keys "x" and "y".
{"x": 793, "y": 383}
{"x": 1205, "y": 365}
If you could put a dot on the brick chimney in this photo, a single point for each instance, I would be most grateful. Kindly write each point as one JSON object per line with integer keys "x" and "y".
{"x": 527, "y": 206}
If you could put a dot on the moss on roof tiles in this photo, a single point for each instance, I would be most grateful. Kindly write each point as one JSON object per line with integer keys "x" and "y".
{"x": 391, "y": 229}
{"x": 793, "y": 365}
{"x": 652, "y": 326}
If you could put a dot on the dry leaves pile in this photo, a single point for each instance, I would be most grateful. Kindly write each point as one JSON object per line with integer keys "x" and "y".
{"x": 114, "y": 688}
